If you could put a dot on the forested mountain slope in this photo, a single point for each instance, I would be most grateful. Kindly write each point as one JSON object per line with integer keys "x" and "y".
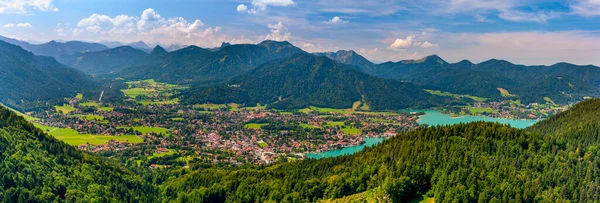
{"x": 107, "y": 61}
{"x": 56, "y": 49}
{"x": 25, "y": 77}
{"x": 476, "y": 162}
{"x": 38, "y": 168}
{"x": 202, "y": 66}
{"x": 562, "y": 82}
{"x": 306, "y": 79}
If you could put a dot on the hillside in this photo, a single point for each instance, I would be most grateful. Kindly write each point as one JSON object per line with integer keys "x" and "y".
{"x": 305, "y": 79}
{"x": 25, "y": 77}
{"x": 580, "y": 121}
{"x": 350, "y": 58}
{"x": 563, "y": 82}
{"x": 476, "y": 162}
{"x": 202, "y": 66}
{"x": 56, "y": 49}
{"x": 38, "y": 168}
{"x": 107, "y": 61}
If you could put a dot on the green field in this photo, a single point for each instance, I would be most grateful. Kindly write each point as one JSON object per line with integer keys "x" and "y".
{"x": 65, "y": 109}
{"x": 304, "y": 125}
{"x": 107, "y": 109}
{"x": 73, "y": 137}
{"x": 79, "y": 96}
{"x": 262, "y": 144}
{"x": 158, "y": 103}
{"x": 88, "y": 104}
{"x": 254, "y": 125}
{"x": 134, "y": 92}
{"x": 504, "y": 92}
{"x": 479, "y": 110}
{"x": 90, "y": 117}
{"x": 156, "y": 155}
{"x": 448, "y": 94}
{"x": 145, "y": 130}
{"x": 329, "y": 110}
{"x": 346, "y": 129}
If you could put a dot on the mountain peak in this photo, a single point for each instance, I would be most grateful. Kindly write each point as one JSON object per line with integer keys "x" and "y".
{"x": 431, "y": 59}
{"x": 225, "y": 44}
{"x": 159, "y": 50}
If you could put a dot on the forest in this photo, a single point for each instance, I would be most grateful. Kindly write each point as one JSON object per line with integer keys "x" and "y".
{"x": 555, "y": 160}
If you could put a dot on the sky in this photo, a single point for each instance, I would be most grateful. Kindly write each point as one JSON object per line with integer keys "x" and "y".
{"x": 530, "y": 32}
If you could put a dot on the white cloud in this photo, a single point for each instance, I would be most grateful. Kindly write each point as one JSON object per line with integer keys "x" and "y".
{"x": 586, "y": 7}
{"x": 242, "y": 8}
{"x": 18, "y": 25}
{"x": 505, "y": 9}
{"x": 278, "y": 32}
{"x": 425, "y": 44}
{"x": 260, "y": 6}
{"x": 308, "y": 45}
{"x": 25, "y": 6}
{"x": 337, "y": 20}
{"x": 150, "y": 27}
{"x": 400, "y": 44}
{"x": 370, "y": 7}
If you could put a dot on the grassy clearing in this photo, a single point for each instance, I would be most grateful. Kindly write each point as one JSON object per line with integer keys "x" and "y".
{"x": 134, "y": 92}
{"x": 448, "y": 94}
{"x": 211, "y": 106}
{"x": 328, "y": 110}
{"x": 549, "y": 101}
{"x": 262, "y": 144}
{"x": 346, "y": 129}
{"x": 79, "y": 96}
{"x": 504, "y": 92}
{"x": 479, "y": 110}
{"x": 156, "y": 155}
{"x": 146, "y": 130}
{"x": 90, "y": 117}
{"x": 304, "y": 125}
{"x": 89, "y": 104}
{"x": 107, "y": 109}
{"x": 254, "y": 125}
{"x": 177, "y": 119}
{"x": 65, "y": 109}
{"x": 158, "y": 103}
{"x": 73, "y": 137}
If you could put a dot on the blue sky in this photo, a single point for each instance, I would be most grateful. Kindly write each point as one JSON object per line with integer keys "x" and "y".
{"x": 521, "y": 31}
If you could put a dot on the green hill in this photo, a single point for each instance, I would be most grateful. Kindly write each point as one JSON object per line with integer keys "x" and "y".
{"x": 305, "y": 79}
{"x": 38, "y": 168}
{"x": 202, "y": 66}
{"x": 562, "y": 82}
{"x": 107, "y": 61}
{"x": 25, "y": 77}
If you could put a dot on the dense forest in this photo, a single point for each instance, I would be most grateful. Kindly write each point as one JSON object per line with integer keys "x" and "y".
{"x": 38, "y": 168}
{"x": 305, "y": 79}
{"x": 562, "y": 82}
{"x": 483, "y": 162}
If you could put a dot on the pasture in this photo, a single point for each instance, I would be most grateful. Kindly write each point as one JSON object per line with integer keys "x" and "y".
{"x": 144, "y": 130}
{"x": 65, "y": 109}
{"x": 254, "y": 125}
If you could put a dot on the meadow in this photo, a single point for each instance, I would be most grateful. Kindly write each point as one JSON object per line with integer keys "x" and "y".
{"x": 254, "y": 125}
{"x": 145, "y": 130}
{"x": 75, "y": 138}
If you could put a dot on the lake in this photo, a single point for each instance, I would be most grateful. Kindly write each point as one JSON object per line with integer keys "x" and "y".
{"x": 432, "y": 118}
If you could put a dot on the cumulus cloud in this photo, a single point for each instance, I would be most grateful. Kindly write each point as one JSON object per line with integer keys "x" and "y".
{"x": 25, "y": 6}
{"x": 149, "y": 26}
{"x": 259, "y": 6}
{"x": 425, "y": 44}
{"x": 337, "y": 20}
{"x": 587, "y": 8}
{"x": 279, "y": 32}
{"x": 400, "y": 44}
{"x": 18, "y": 25}
{"x": 242, "y": 8}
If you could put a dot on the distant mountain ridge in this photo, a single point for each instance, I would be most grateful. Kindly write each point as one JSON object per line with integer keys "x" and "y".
{"x": 25, "y": 77}
{"x": 56, "y": 49}
{"x": 304, "y": 79}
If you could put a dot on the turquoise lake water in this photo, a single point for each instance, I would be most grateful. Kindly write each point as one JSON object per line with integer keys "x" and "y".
{"x": 431, "y": 118}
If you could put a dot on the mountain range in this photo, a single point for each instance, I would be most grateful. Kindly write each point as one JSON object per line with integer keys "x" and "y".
{"x": 304, "y": 79}
{"x": 56, "y": 49}
{"x": 25, "y": 77}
